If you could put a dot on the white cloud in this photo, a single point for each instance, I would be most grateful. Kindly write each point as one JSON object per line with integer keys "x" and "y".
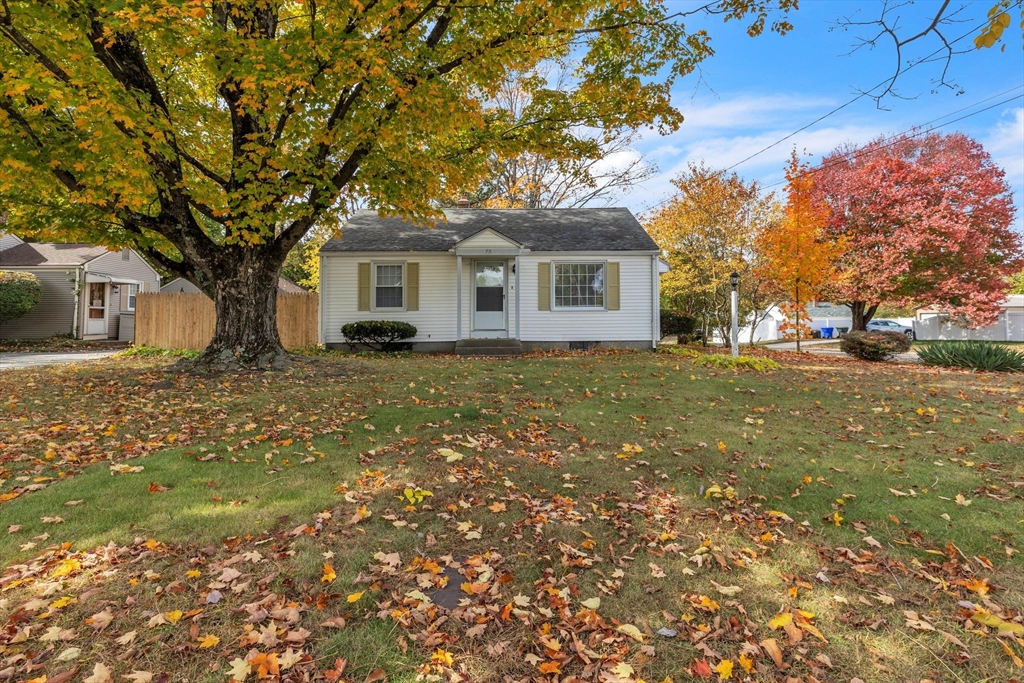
{"x": 722, "y": 151}
{"x": 748, "y": 111}
{"x": 1006, "y": 145}
{"x": 615, "y": 162}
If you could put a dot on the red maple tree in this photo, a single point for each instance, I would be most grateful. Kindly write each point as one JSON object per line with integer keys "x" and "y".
{"x": 926, "y": 220}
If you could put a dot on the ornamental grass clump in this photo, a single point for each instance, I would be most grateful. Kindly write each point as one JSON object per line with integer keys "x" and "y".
{"x": 874, "y": 346}
{"x": 975, "y": 355}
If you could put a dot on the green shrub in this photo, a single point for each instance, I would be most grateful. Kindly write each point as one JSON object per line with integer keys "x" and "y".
{"x": 19, "y": 294}
{"x": 718, "y": 360}
{"x": 379, "y": 335}
{"x": 874, "y": 346}
{"x": 682, "y": 326}
{"x": 977, "y": 355}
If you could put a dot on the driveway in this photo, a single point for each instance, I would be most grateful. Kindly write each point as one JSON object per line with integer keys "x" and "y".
{"x": 827, "y": 347}
{"x": 10, "y": 361}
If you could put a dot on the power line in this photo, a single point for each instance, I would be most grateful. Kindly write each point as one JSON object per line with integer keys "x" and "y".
{"x": 916, "y": 131}
{"x": 846, "y": 104}
{"x": 855, "y": 99}
{"x": 912, "y": 132}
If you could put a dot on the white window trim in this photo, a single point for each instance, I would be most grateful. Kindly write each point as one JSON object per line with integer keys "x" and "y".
{"x": 373, "y": 287}
{"x": 129, "y": 299}
{"x": 563, "y": 262}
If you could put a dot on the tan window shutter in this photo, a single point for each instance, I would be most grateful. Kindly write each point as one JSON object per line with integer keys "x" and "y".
{"x": 412, "y": 286}
{"x": 612, "y": 287}
{"x": 364, "y": 287}
{"x": 544, "y": 286}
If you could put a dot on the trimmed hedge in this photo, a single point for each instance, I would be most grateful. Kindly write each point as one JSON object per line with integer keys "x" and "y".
{"x": 19, "y": 294}
{"x": 874, "y": 346}
{"x": 379, "y": 335}
{"x": 679, "y": 325}
{"x": 975, "y": 355}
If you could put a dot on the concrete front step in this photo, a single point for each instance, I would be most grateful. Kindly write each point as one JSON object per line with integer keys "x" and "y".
{"x": 468, "y": 343}
{"x": 489, "y": 347}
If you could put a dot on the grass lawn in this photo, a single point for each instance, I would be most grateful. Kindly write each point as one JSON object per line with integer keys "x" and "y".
{"x": 597, "y": 517}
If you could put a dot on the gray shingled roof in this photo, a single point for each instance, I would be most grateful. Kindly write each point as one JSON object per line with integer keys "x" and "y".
{"x": 50, "y": 254}
{"x": 613, "y": 229}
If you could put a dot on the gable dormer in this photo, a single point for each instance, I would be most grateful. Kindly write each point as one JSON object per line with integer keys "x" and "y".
{"x": 488, "y": 242}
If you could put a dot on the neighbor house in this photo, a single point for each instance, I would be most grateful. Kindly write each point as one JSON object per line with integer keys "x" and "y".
{"x": 932, "y": 324}
{"x": 180, "y": 285}
{"x": 87, "y": 289}
{"x": 496, "y": 280}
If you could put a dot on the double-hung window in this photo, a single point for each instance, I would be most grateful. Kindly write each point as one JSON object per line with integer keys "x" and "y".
{"x": 133, "y": 291}
{"x": 579, "y": 285}
{"x": 388, "y": 286}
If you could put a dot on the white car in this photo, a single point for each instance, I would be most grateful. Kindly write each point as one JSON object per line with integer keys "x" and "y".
{"x": 883, "y": 325}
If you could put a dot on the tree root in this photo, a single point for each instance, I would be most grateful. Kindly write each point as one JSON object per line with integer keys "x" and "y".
{"x": 215, "y": 362}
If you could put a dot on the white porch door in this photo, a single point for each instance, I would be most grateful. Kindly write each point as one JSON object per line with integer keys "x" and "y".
{"x": 96, "y": 311}
{"x": 489, "y": 319}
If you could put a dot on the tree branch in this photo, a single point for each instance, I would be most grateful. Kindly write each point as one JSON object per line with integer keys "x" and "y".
{"x": 203, "y": 168}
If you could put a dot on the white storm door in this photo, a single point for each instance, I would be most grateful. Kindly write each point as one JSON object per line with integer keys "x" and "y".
{"x": 489, "y": 296}
{"x": 96, "y": 308}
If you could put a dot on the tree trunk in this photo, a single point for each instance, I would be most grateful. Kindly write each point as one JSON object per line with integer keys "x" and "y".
{"x": 797, "y": 314}
{"x": 861, "y": 313}
{"x": 245, "y": 297}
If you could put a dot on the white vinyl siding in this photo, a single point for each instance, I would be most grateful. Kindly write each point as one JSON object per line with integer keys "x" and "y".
{"x": 53, "y": 314}
{"x": 486, "y": 239}
{"x": 339, "y": 292}
{"x": 632, "y": 322}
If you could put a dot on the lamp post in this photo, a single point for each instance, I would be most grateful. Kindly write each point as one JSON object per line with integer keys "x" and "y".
{"x": 734, "y": 280}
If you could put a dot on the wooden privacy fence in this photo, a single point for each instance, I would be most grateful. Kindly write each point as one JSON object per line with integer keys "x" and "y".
{"x": 187, "y": 321}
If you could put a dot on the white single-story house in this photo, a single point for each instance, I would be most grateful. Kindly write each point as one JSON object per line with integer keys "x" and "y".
{"x": 180, "y": 285}
{"x": 489, "y": 280}
{"x": 88, "y": 290}
{"x": 932, "y": 324}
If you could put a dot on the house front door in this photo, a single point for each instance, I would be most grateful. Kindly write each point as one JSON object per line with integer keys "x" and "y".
{"x": 96, "y": 308}
{"x": 489, "y": 286}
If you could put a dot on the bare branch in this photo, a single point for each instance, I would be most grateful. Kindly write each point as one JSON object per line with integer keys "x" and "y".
{"x": 888, "y": 29}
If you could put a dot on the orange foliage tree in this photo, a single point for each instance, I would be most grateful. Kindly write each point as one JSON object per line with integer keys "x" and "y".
{"x": 795, "y": 252}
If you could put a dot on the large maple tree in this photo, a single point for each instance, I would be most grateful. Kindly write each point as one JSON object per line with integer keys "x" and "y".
{"x": 927, "y": 221}
{"x": 212, "y": 135}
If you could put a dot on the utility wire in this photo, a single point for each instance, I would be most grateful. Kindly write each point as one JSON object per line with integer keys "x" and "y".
{"x": 840, "y": 108}
{"x": 855, "y": 99}
{"x": 916, "y": 131}
{"x": 912, "y": 132}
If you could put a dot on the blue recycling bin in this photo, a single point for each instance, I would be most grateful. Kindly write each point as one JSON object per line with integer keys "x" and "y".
{"x": 826, "y": 332}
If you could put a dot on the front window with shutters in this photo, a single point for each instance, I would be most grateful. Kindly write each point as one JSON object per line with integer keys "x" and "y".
{"x": 579, "y": 285}
{"x": 388, "y": 286}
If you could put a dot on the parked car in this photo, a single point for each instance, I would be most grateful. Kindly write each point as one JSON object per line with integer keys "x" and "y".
{"x": 883, "y": 325}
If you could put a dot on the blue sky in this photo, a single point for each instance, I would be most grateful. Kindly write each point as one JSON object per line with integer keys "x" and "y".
{"x": 755, "y": 91}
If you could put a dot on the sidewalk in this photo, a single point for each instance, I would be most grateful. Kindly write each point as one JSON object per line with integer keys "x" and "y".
{"x": 31, "y": 359}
